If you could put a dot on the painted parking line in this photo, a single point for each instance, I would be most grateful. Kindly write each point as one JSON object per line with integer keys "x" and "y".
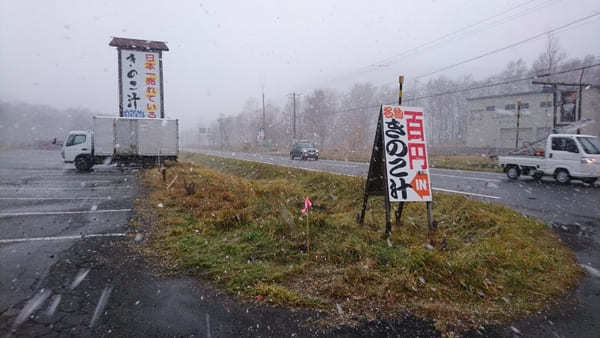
{"x": 59, "y": 238}
{"x": 61, "y": 189}
{"x": 468, "y": 178}
{"x": 36, "y": 213}
{"x": 466, "y": 193}
{"x": 53, "y": 198}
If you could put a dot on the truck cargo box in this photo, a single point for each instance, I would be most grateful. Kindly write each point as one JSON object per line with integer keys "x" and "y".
{"x": 123, "y": 136}
{"x": 157, "y": 137}
{"x": 103, "y": 137}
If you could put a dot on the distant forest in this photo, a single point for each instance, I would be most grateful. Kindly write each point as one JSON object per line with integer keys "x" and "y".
{"x": 29, "y": 125}
{"x": 345, "y": 120}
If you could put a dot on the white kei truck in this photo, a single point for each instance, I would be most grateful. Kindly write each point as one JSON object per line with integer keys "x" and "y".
{"x": 123, "y": 140}
{"x": 566, "y": 156}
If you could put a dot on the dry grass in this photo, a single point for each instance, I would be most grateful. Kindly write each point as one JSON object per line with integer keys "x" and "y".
{"x": 242, "y": 228}
{"x": 464, "y": 162}
{"x": 448, "y": 161}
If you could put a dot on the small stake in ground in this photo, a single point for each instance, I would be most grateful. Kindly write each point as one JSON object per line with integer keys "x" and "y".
{"x": 307, "y": 205}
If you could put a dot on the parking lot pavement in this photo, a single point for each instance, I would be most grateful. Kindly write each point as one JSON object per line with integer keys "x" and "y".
{"x": 45, "y": 207}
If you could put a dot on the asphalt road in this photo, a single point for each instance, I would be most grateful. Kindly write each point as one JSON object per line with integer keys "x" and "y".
{"x": 45, "y": 206}
{"x": 573, "y": 211}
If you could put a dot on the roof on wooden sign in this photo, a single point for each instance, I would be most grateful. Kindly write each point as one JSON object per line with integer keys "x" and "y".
{"x": 138, "y": 44}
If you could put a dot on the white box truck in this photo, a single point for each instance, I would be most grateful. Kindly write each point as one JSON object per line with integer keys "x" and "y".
{"x": 566, "y": 156}
{"x": 123, "y": 140}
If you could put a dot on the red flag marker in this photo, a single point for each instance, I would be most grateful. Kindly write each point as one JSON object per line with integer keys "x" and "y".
{"x": 307, "y": 205}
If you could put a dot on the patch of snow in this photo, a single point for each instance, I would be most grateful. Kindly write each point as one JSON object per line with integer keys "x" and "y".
{"x": 591, "y": 270}
{"x": 515, "y": 330}
{"x": 53, "y": 305}
{"x": 101, "y": 304}
{"x": 31, "y": 306}
{"x": 79, "y": 278}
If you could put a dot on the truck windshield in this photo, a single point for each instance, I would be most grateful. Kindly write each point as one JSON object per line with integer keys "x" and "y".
{"x": 75, "y": 139}
{"x": 591, "y": 145}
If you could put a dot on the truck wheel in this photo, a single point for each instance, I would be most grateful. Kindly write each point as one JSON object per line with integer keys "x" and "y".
{"x": 590, "y": 180}
{"x": 82, "y": 163}
{"x": 513, "y": 172}
{"x": 562, "y": 176}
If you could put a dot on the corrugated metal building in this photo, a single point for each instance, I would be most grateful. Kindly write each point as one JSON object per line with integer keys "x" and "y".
{"x": 492, "y": 120}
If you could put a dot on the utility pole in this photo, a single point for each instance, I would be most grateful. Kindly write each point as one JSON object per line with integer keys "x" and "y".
{"x": 294, "y": 117}
{"x": 580, "y": 99}
{"x": 518, "y": 120}
{"x": 555, "y": 95}
{"x": 263, "y": 120}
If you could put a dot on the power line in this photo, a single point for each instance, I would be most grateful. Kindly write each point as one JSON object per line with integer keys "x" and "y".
{"x": 532, "y": 77}
{"x": 456, "y": 33}
{"x": 445, "y": 36}
{"x": 489, "y": 85}
{"x": 537, "y": 36}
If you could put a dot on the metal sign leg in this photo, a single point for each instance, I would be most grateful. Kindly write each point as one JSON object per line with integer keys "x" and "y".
{"x": 399, "y": 214}
{"x": 430, "y": 222}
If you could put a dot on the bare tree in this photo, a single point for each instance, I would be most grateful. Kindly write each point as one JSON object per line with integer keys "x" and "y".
{"x": 550, "y": 58}
{"x": 319, "y": 111}
{"x": 362, "y": 97}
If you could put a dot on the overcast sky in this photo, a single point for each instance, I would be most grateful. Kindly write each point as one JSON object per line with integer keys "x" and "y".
{"x": 223, "y": 52}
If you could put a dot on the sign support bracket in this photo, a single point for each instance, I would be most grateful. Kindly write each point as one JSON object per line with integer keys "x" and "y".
{"x": 401, "y": 205}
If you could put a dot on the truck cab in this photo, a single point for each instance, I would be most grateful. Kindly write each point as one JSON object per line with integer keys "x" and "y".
{"x": 77, "y": 149}
{"x": 566, "y": 156}
{"x": 573, "y": 155}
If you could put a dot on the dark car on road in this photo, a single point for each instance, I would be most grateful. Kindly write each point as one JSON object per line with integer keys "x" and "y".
{"x": 304, "y": 150}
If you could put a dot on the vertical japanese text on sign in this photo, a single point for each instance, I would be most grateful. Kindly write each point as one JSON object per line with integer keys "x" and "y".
{"x": 140, "y": 76}
{"x": 406, "y": 154}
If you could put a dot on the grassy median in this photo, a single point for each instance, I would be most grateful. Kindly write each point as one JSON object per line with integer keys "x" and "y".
{"x": 242, "y": 228}
{"x": 447, "y": 161}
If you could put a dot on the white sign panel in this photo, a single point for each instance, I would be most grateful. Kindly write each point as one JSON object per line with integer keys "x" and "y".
{"x": 407, "y": 166}
{"x": 140, "y": 83}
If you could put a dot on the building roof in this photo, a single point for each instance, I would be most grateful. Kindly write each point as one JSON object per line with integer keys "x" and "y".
{"x": 138, "y": 44}
{"x": 508, "y": 95}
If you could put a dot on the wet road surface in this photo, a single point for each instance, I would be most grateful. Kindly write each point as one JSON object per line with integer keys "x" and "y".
{"x": 43, "y": 206}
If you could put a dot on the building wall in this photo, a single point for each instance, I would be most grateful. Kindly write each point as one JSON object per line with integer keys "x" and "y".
{"x": 497, "y": 128}
{"x": 590, "y": 109}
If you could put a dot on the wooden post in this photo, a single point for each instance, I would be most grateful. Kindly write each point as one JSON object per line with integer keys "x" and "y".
{"x": 307, "y": 236}
{"x": 518, "y": 121}
{"x": 399, "y": 214}
{"x": 401, "y": 204}
{"x": 361, "y": 217}
{"x": 430, "y": 221}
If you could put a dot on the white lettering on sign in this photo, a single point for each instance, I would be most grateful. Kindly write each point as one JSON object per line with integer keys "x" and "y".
{"x": 140, "y": 82}
{"x": 405, "y": 149}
